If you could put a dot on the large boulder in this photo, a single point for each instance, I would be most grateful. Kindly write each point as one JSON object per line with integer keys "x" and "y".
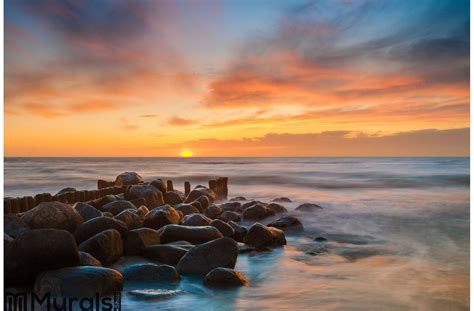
{"x": 308, "y": 207}
{"x": 276, "y": 208}
{"x": 98, "y": 203}
{"x": 213, "y": 211}
{"x": 287, "y": 223}
{"x": 186, "y": 209}
{"x": 262, "y": 236}
{"x": 223, "y": 227}
{"x": 66, "y": 190}
{"x": 204, "y": 201}
{"x": 197, "y": 205}
{"x": 167, "y": 254}
{"x": 87, "y": 259}
{"x": 172, "y": 198}
{"x": 79, "y": 282}
{"x": 86, "y": 211}
{"x": 150, "y": 272}
{"x": 159, "y": 184}
{"x": 199, "y": 191}
{"x": 139, "y": 239}
{"x": 219, "y": 277}
{"x": 129, "y": 217}
{"x": 13, "y": 225}
{"x": 282, "y": 200}
{"x": 128, "y": 178}
{"x": 230, "y": 216}
{"x": 97, "y": 225}
{"x": 54, "y": 215}
{"x": 195, "y": 235}
{"x": 35, "y": 251}
{"x": 196, "y": 220}
{"x": 152, "y": 196}
{"x": 142, "y": 211}
{"x": 161, "y": 216}
{"x": 257, "y": 212}
{"x": 116, "y": 207}
{"x": 106, "y": 246}
{"x": 203, "y": 258}
{"x": 240, "y": 232}
{"x": 231, "y": 206}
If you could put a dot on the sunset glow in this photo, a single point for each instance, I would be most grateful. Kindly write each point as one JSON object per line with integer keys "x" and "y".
{"x": 186, "y": 153}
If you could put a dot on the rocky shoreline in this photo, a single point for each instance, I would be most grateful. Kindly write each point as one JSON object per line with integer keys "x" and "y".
{"x": 68, "y": 244}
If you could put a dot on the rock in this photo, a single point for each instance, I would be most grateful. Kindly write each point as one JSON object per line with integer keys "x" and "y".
{"x": 244, "y": 206}
{"x": 13, "y": 225}
{"x": 108, "y": 214}
{"x": 154, "y": 294}
{"x": 54, "y": 215}
{"x": 308, "y": 207}
{"x": 161, "y": 216}
{"x": 224, "y": 277}
{"x": 106, "y": 246}
{"x": 129, "y": 217}
{"x": 128, "y": 178}
{"x": 276, "y": 208}
{"x": 197, "y": 205}
{"x": 36, "y": 251}
{"x": 230, "y": 216}
{"x": 167, "y": 254}
{"x": 150, "y": 272}
{"x": 238, "y": 199}
{"x": 262, "y": 236}
{"x": 139, "y": 239}
{"x": 138, "y": 202}
{"x": 257, "y": 212}
{"x": 152, "y": 196}
{"x": 223, "y": 227}
{"x": 204, "y": 201}
{"x": 320, "y": 239}
{"x": 231, "y": 206}
{"x": 116, "y": 207}
{"x": 87, "y": 259}
{"x": 97, "y": 225}
{"x": 203, "y": 258}
{"x": 282, "y": 200}
{"x": 142, "y": 211}
{"x": 240, "y": 232}
{"x": 79, "y": 282}
{"x": 287, "y": 223}
{"x": 86, "y": 211}
{"x": 98, "y": 203}
{"x": 66, "y": 190}
{"x": 213, "y": 210}
{"x": 196, "y": 220}
{"x": 159, "y": 184}
{"x": 199, "y": 191}
{"x": 172, "y": 198}
{"x": 186, "y": 209}
{"x": 195, "y": 235}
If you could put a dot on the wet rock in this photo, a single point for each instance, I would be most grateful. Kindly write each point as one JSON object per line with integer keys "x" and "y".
{"x": 154, "y": 294}
{"x": 139, "y": 239}
{"x": 82, "y": 281}
{"x": 199, "y": 191}
{"x": 108, "y": 214}
{"x": 203, "y": 258}
{"x": 13, "y": 225}
{"x": 87, "y": 259}
{"x": 204, "y": 201}
{"x": 138, "y": 202}
{"x": 282, "y": 200}
{"x": 197, "y": 205}
{"x": 96, "y": 225}
{"x": 129, "y": 217}
{"x": 186, "y": 209}
{"x": 66, "y": 190}
{"x": 160, "y": 185}
{"x": 196, "y": 220}
{"x": 287, "y": 223}
{"x": 277, "y": 208}
{"x": 244, "y": 206}
{"x": 152, "y": 196}
{"x": 55, "y": 215}
{"x": 167, "y": 254}
{"x": 240, "y": 232}
{"x": 231, "y": 206}
{"x": 308, "y": 207}
{"x": 142, "y": 211}
{"x": 238, "y": 199}
{"x": 106, "y": 246}
{"x": 86, "y": 211}
{"x": 223, "y": 227}
{"x": 320, "y": 239}
{"x": 224, "y": 277}
{"x": 128, "y": 178}
{"x": 316, "y": 251}
{"x": 38, "y": 250}
{"x": 116, "y": 207}
{"x": 172, "y": 198}
{"x": 161, "y": 216}
{"x": 263, "y": 236}
{"x": 98, "y": 203}
{"x": 150, "y": 272}
{"x": 257, "y": 212}
{"x": 213, "y": 210}
{"x": 195, "y": 235}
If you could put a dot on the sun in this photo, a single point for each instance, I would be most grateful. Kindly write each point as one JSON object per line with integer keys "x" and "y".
{"x": 186, "y": 153}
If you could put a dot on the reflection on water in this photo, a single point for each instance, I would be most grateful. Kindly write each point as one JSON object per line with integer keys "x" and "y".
{"x": 397, "y": 230}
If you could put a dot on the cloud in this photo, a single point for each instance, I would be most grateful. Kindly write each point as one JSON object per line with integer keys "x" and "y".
{"x": 126, "y": 125}
{"x": 177, "y": 121}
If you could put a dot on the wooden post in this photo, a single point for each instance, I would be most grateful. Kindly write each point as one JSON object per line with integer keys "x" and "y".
{"x": 7, "y": 205}
{"x": 31, "y": 202}
{"x": 39, "y": 199}
{"x": 225, "y": 190}
{"x": 15, "y": 205}
{"x": 187, "y": 188}
{"x": 47, "y": 197}
{"x": 169, "y": 185}
{"x": 23, "y": 204}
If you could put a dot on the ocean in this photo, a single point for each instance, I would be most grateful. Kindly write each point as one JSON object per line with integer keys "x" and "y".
{"x": 397, "y": 228}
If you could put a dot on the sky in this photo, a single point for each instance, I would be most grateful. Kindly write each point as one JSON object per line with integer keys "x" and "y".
{"x": 236, "y": 78}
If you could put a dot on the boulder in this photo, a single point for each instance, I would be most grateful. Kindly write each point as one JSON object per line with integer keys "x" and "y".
{"x": 287, "y": 223}
{"x": 150, "y": 272}
{"x": 96, "y": 225}
{"x": 203, "y": 258}
{"x": 240, "y": 232}
{"x": 263, "y": 236}
{"x": 66, "y": 190}
{"x": 159, "y": 184}
{"x": 196, "y": 220}
{"x": 106, "y": 246}
{"x": 79, "y": 282}
{"x": 219, "y": 277}
{"x": 257, "y": 212}
{"x": 244, "y": 206}
{"x": 86, "y": 211}
{"x": 213, "y": 210}
{"x": 129, "y": 217}
{"x": 108, "y": 214}
{"x": 186, "y": 209}
{"x": 223, "y": 227}
{"x": 13, "y": 225}
{"x": 139, "y": 239}
{"x": 204, "y": 201}
{"x": 161, "y": 216}
{"x": 172, "y": 198}
{"x": 199, "y": 191}
{"x": 239, "y": 198}
{"x": 282, "y": 200}
{"x": 167, "y": 254}
{"x": 87, "y": 259}
{"x": 230, "y": 216}
{"x": 197, "y": 205}
{"x": 195, "y": 235}
{"x": 116, "y": 207}
{"x": 152, "y": 196}
{"x": 38, "y": 250}
{"x": 138, "y": 202}
{"x": 276, "y": 208}
{"x": 308, "y": 207}
{"x": 128, "y": 178}
{"x": 54, "y": 215}
{"x": 98, "y": 203}
{"x": 231, "y": 206}
{"x": 142, "y": 211}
